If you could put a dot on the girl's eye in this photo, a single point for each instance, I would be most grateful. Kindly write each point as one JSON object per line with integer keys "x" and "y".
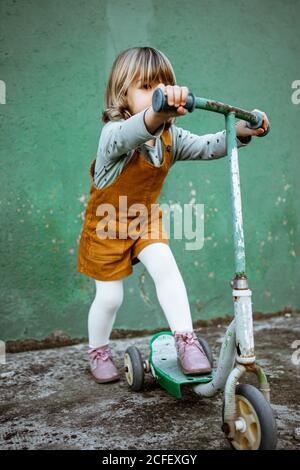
{"x": 145, "y": 85}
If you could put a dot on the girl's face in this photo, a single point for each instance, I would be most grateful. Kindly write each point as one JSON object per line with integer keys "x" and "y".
{"x": 139, "y": 96}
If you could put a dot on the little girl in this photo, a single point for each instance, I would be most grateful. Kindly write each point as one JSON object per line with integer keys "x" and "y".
{"x": 136, "y": 149}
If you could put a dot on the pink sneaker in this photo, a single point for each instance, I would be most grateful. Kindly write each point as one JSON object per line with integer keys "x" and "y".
{"x": 102, "y": 365}
{"x": 190, "y": 353}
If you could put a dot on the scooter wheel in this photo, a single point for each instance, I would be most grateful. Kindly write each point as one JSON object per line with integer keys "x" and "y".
{"x": 257, "y": 425}
{"x": 207, "y": 350}
{"x": 134, "y": 368}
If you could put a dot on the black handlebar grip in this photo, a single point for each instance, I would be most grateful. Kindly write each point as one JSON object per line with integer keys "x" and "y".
{"x": 160, "y": 103}
{"x": 259, "y": 116}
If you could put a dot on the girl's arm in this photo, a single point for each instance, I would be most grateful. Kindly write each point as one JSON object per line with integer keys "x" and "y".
{"x": 189, "y": 146}
{"x": 118, "y": 138}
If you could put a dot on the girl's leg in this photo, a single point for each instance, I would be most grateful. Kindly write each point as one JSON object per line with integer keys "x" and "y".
{"x": 170, "y": 288}
{"x": 103, "y": 311}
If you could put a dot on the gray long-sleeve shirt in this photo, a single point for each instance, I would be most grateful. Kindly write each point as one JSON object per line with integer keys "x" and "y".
{"x": 119, "y": 139}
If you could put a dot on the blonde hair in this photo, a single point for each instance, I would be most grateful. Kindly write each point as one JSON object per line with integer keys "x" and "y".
{"x": 146, "y": 63}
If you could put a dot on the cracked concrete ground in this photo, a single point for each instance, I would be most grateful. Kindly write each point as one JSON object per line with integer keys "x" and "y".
{"x": 50, "y": 401}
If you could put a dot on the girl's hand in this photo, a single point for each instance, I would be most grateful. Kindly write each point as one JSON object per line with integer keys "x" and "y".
{"x": 243, "y": 131}
{"x": 176, "y": 96}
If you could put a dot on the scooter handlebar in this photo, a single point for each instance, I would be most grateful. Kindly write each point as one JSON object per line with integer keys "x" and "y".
{"x": 259, "y": 116}
{"x": 160, "y": 103}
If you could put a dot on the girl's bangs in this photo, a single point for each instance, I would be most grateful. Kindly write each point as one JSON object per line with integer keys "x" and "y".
{"x": 153, "y": 69}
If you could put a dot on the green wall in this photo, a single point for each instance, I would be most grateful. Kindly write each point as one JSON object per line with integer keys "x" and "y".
{"x": 55, "y": 59}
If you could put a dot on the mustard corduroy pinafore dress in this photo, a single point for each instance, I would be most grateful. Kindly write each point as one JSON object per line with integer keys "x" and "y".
{"x": 111, "y": 258}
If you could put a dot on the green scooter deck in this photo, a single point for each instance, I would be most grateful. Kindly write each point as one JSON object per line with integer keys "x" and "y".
{"x": 165, "y": 368}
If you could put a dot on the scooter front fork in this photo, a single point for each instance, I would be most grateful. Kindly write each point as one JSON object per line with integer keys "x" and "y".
{"x": 241, "y": 295}
{"x": 231, "y": 423}
{"x": 245, "y": 354}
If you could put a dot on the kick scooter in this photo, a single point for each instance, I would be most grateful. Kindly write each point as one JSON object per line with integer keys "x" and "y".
{"x": 248, "y": 422}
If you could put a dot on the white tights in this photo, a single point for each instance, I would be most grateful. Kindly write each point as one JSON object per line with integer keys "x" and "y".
{"x": 170, "y": 289}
